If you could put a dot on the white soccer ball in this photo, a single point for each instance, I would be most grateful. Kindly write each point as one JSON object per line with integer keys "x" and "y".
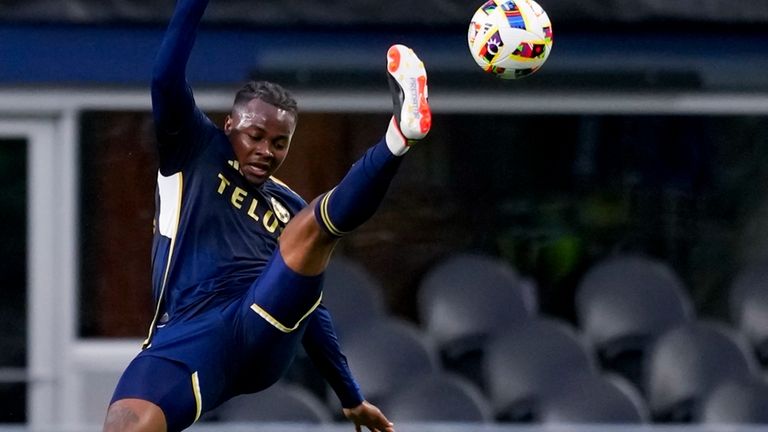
{"x": 510, "y": 38}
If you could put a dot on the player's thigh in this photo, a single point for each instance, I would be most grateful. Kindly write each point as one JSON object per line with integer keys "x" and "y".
{"x": 154, "y": 394}
{"x": 282, "y": 297}
{"x": 134, "y": 415}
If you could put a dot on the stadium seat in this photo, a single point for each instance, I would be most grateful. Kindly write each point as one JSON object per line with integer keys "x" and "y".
{"x": 440, "y": 397}
{"x": 592, "y": 398}
{"x": 748, "y": 304}
{"x": 463, "y": 300}
{"x": 687, "y": 362}
{"x": 737, "y": 402}
{"x": 388, "y": 354}
{"x": 351, "y": 294}
{"x": 623, "y": 303}
{"x": 283, "y": 403}
{"x": 530, "y": 361}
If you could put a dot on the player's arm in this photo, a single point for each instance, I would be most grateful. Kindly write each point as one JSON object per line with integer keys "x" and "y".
{"x": 322, "y": 346}
{"x": 173, "y": 105}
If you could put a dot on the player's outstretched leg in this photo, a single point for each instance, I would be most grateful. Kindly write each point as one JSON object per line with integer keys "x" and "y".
{"x": 305, "y": 248}
{"x": 361, "y": 191}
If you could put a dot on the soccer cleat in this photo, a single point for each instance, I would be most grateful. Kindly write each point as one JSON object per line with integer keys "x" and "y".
{"x": 408, "y": 83}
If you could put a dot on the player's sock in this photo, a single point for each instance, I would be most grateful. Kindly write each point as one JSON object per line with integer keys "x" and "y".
{"x": 355, "y": 199}
{"x": 361, "y": 191}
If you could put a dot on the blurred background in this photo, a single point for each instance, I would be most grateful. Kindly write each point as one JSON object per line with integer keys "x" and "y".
{"x": 587, "y": 245}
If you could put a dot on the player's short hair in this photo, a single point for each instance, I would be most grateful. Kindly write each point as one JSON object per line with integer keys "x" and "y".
{"x": 269, "y": 92}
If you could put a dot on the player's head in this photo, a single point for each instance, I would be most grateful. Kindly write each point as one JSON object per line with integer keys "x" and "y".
{"x": 260, "y": 128}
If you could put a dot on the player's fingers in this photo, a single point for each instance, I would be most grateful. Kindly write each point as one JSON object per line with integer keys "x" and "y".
{"x": 383, "y": 427}
{"x": 382, "y": 423}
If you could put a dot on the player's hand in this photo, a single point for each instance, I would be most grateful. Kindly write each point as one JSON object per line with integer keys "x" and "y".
{"x": 366, "y": 414}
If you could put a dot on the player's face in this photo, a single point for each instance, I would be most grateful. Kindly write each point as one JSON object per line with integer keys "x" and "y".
{"x": 260, "y": 135}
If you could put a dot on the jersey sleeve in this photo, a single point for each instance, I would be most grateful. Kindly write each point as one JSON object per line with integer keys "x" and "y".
{"x": 322, "y": 346}
{"x": 180, "y": 126}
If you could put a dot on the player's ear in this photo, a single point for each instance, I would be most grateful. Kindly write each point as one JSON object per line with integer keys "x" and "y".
{"x": 228, "y": 124}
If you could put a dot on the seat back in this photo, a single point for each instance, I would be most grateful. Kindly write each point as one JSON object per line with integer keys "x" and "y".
{"x": 387, "y": 354}
{"x": 748, "y": 303}
{"x": 687, "y": 362}
{"x": 592, "y": 398}
{"x": 737, "y": 402}
{"x": 351, "y": 294}
{"x": 623, "y": 303}
{"x": 283, "y": 403}
{"x": 531, "y": 361}
{"x": 630, "y": 296}
{"x": 440, "y": 397}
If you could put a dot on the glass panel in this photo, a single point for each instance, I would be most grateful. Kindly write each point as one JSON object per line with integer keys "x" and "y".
{"x": 549, "y": 193}
{"x": 117, "y": 176}
{"x": 13, "y": 274}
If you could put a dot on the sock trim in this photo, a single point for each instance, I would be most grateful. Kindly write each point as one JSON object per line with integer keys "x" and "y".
{"x": 326, "y": 218}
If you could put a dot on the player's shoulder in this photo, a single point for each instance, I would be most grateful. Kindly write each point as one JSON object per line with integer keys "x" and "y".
{"x": 277, "y": 187}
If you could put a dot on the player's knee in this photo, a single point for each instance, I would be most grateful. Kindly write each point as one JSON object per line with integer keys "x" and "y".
{"x": 305, "y": 228}
{"x": 134, "y": 415}
{"x": 304, "y": 245}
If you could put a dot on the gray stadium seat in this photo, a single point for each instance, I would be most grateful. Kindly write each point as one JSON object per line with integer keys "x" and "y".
{"x": 279, "y": 403}
{"x": 464, "y": 299}
{"x": 687, "y": 362}
{"x": 593, "y": 398}
{"x": 748, "y": 303}
{"x": 386, "y": 355}
{"x": 623, "y": 303}
{"x": 737, "y": 402}
{"x": 531, "y": 361}
{"x": 351, "y": 294}
{"x": 440, "y": 397}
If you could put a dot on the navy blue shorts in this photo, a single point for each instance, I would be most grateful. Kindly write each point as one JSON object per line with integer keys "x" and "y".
{"x": 242, "y": 346}
{"x": 165, "y": 383}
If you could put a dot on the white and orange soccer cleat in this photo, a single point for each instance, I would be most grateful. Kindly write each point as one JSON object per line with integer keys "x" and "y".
{"x": 410, "y": 97}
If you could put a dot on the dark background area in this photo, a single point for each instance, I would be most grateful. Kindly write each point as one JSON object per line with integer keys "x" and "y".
{"x": 551, "y": 194}
{"x": 398, "y": 12}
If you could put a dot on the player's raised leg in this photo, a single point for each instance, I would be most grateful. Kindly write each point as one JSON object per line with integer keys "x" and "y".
{"x": 307, "y": 242}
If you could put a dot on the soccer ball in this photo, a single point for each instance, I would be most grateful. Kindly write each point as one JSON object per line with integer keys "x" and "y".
{"x": 510, "y": 38}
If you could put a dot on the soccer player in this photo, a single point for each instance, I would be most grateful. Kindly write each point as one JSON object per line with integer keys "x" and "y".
{"x": 237, "y": 257}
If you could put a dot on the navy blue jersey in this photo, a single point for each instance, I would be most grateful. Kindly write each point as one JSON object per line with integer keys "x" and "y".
{"x": 214, "y": 231}
{"x": 221, "y": 289}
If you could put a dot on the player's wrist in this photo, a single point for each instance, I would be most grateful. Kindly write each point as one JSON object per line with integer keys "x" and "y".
{"x": 350, "y": 398}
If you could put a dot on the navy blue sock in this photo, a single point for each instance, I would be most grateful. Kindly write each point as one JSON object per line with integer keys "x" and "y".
{"x": 355, "y": 199}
